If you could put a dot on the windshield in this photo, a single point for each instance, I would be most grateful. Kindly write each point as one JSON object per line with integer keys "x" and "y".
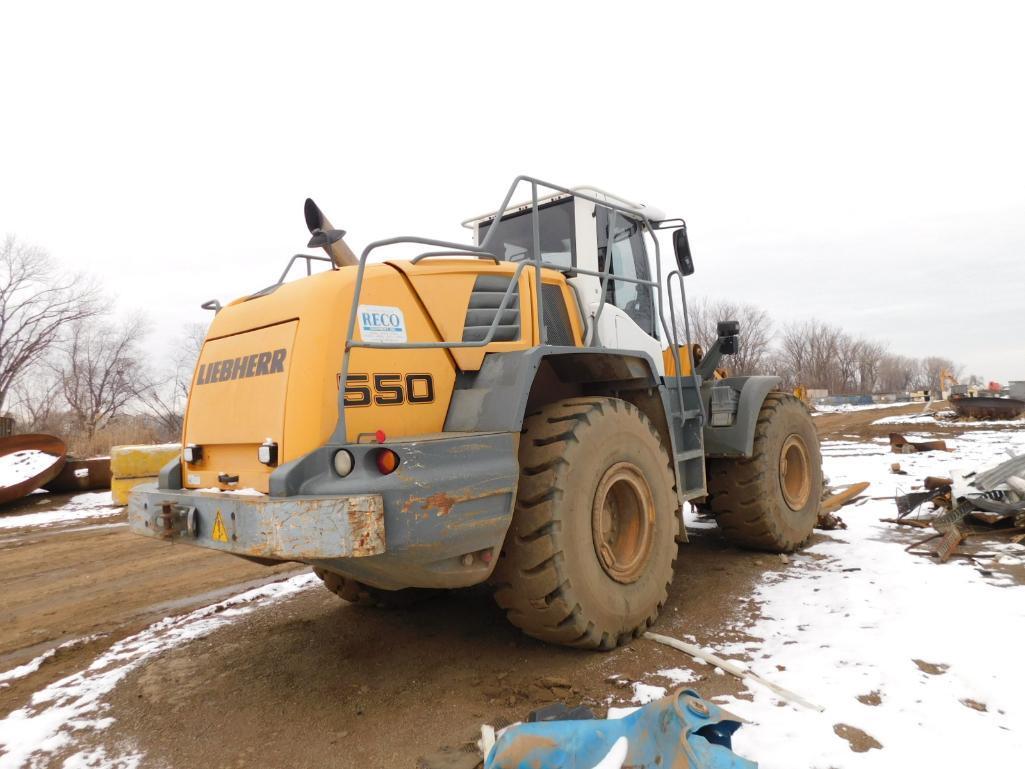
{"x": 513, "y": 237}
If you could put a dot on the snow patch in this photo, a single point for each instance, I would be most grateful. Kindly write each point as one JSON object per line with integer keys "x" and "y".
{"x": 33, "y": 665}
{"x": 844, "y": 408}
{"x": 97, "y": 758}
{"x": 678, "y": 676}
{"x": 645, "y": 693}
{"x": 945, "y": 418}
{"x": 93, "y": 504}
{"x": 19, "y": 466}
{"x": 894, "y": 647}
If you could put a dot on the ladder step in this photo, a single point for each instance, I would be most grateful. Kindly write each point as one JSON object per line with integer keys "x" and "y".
{"x": 688, "y": 414}
{"x": 682, "y": 456}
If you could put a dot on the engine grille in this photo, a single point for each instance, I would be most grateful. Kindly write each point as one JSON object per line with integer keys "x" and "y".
{"x": 556, "y": 317}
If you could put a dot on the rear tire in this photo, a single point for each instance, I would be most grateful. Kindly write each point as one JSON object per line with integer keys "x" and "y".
{"x": 364, "y": 595}
{"x": 589, "y": 557}
{"x": 771, "y": 501}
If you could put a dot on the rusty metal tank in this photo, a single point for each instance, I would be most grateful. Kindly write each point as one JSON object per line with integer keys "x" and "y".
{"x": 987, "y": 407}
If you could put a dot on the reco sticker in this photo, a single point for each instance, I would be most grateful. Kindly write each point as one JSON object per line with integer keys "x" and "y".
{"x": 381, "y": 324}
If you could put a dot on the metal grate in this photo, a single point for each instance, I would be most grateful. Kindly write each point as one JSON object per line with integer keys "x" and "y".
{"x": 485, "y": 300}
{"x": 556, "y": 316}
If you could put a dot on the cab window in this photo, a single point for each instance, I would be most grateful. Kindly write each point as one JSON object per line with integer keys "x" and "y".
{"x": 629, "y": 258}
{"x": 513, "y": 239}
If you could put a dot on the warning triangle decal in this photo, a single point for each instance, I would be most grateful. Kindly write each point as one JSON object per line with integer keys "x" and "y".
{"x": 220, "y": 533}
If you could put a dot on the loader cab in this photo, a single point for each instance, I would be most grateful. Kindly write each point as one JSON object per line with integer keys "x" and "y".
{"x": 586, "y": 237}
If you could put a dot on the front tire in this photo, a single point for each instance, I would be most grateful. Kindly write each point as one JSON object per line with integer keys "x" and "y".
{"x": 771, "y": 501}
{"x": 589, "y": 556}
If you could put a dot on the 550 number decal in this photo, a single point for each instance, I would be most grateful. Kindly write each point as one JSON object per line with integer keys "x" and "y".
{"x": 388, "y": 389}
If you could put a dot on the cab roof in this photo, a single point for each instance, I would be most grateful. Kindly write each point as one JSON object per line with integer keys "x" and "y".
{"x": 640, "y": 209}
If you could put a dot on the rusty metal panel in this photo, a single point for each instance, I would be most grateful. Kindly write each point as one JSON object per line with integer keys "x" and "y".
{"x": 20, "y": 484}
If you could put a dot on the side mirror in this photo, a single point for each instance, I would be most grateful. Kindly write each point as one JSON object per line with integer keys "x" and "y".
{"x": 728, "y": 332}
{"x": 682, "y": 248}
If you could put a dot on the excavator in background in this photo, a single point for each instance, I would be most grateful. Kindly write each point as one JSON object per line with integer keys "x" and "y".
{"x": 947, "y": 383}
{"x": 519, "y": 411}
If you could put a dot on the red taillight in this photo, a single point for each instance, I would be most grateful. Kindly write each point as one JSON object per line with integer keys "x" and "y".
{"x": 387, "y": 460}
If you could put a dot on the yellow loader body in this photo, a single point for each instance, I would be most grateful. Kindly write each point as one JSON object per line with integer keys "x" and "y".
{"x": 270, "y": 367}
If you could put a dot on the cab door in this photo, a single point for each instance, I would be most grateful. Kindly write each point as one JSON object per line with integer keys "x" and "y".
{"x": 632, "y": 322}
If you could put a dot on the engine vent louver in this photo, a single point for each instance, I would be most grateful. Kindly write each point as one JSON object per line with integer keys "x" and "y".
{"x": 485, "y": 300}
{"x": 557, "y": 326}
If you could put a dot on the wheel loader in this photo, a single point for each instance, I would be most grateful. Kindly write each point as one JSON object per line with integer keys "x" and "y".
{"x": 527, "y": 411}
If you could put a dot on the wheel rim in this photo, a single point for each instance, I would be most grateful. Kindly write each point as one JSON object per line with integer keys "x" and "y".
{"x": 794, "y": 475}
{"x": 623, "y": 522}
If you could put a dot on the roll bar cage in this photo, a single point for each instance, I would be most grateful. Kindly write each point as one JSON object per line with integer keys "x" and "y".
{"x": 480, "y": 251}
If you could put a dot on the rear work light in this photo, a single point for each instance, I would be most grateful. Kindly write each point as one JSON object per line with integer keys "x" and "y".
{"x": 268, "y": 452}
{"x": 192, "y": 453}
{"x": 387, "y": 460}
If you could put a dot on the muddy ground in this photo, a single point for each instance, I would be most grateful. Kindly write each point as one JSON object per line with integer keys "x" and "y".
{"x": 316, "y": 682}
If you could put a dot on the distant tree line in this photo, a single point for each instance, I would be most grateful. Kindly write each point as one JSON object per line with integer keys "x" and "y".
{"x": 71, "y": 367}
{"x": 813, "y": 353}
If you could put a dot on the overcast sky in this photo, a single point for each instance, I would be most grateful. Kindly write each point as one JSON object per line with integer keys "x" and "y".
{"x": 863, "y": 163}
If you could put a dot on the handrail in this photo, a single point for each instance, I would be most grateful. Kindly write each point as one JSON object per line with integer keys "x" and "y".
{"x": 338, "y": 437}
{"x": 429, "y": 254}
{"x": 686, "y": 329}
{"x": 308, "y": 258}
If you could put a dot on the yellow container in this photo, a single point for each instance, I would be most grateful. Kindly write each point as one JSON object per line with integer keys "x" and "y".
{"x": 141, "y": 461}
{"x": 119, "y": 487}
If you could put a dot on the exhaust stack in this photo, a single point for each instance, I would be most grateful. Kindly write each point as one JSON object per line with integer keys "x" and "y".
{"x": 326, "y": 237}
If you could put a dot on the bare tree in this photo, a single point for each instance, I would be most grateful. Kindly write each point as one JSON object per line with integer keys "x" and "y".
{"x": 37, "y": 302}
{"x": 897, "y": 373}
{"x": 931, "y": 369}
{"x": 37, "y": 402}
{"x": 848, "y": 357}
{"x": 101, "y": 373}
{"x": 813, "y": 353}
{"x": 870, "y": 360}
{"x": 808, "y": 355}
{"x": 166, "y": 400}
{"x": 756, "y": 332}
{"x": 819, "y": 355}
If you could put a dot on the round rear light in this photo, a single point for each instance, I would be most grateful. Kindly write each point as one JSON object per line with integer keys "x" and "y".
{"x": 387, "y": 460}
{"x": 343, "y": 462}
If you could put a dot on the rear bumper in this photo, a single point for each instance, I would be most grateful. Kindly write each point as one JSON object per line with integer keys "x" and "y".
{"x": 291, "y": 529}
{"x": 438, "y": 521}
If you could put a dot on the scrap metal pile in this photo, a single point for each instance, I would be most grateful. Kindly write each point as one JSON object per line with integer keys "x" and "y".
{"x": 989, "y": 502}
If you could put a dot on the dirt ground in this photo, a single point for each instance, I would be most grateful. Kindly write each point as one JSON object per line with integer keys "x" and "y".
{"x": 858, "y": 424}
{"x": 95, "y": 578}
{"x": 315, "y": 682}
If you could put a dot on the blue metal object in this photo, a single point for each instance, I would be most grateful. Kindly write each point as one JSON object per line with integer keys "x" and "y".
{"x": 675, "y": 732}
